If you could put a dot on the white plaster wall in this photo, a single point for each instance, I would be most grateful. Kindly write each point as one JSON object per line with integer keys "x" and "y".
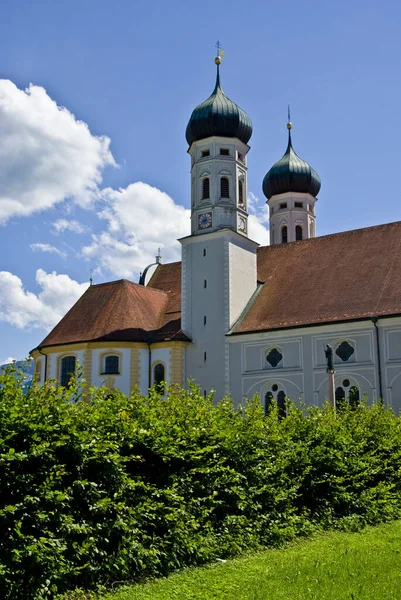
{"x": 229, "y": 267}
{"x": 41, "y": 371}
{"x": 122, "y": 381}
{"x": 55, "y": 356}
{"x": 144, "y": 371}
{"x": 210, "y": 302}
{"x": 242, "y": 276}
{"x": 291, "y": 216}
{"x": 303, "y": 370}
{"x": 162, "y": 355}
{"x": 215, "y": 166}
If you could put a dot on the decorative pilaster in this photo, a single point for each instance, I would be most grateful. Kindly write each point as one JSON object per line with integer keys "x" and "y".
{"x": 135, "y": 368}
{"x": 87, "y": 367}
{"x": 177, "y": 363}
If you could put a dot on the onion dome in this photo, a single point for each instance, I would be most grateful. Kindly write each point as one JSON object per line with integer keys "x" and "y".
{"x": 291, "y": 174}
{"x": 218, "y": 115}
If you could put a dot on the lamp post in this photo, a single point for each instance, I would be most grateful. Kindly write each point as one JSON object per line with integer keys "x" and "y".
{"x": 330, "y": 373}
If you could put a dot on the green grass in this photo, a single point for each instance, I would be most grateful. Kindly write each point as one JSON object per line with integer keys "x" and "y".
{"x": 335, "y": 566}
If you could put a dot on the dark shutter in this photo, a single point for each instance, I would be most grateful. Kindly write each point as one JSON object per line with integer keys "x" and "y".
{"x": 224, "y": 188}
{"x": 205, "y": 188}
{"x": 112, "y": 365}
{"x": 67, "y": 369}
{"x": 158, "y": 377}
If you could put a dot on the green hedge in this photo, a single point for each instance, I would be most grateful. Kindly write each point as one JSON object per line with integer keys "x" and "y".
{"x": 115, "y": 489}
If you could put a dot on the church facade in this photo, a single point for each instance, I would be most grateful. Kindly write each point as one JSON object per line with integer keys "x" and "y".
{"x": 239, "y": 318}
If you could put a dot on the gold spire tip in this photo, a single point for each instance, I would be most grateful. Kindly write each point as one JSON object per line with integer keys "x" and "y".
{"x": 289, "y": 125}
{"x": 217, "y": 60}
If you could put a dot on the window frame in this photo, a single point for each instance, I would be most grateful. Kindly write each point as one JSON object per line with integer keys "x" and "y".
{"x": 225, "y": 179}
{"x": 205, "y": 188}
{"x": 104, "y": 364}
{"x": 155, "y": 384}
{"x": 266, "y": 352}
{"x": 283, "y": 229}
{"x": 60, "y": 367}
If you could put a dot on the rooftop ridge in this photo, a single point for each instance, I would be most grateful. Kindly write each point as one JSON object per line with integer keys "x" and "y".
{"x": 349, "y": 232}
{"x": 119, "y": 281}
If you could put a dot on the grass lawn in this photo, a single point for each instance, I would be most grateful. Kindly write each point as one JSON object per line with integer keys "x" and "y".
{"x": 335, "y": 566}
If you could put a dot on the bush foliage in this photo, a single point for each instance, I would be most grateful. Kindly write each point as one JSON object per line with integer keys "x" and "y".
{"x": 105, "y": 488}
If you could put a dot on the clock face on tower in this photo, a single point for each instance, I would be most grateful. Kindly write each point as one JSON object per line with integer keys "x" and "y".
{"x": 205, "y": 220}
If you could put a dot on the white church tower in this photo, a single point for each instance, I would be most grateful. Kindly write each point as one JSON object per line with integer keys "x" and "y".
{"x": 291, "y": 188}
{"x": 218, "y": 258}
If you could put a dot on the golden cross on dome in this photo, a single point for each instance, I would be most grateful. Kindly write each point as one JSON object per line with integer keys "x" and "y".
{"x": 220, "y": 51}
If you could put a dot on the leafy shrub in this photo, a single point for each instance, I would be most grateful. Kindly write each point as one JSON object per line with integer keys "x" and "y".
{"x": 105, "y": 488}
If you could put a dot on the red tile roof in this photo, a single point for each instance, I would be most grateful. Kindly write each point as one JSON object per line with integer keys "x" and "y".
{"x": 340, "y": 277}
{"x": 117, "y": 311}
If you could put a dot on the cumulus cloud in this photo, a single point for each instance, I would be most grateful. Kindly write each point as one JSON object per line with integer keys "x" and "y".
{"x": 46, "y": 154}
{"x": 38, "y": 247}
{"x": 24, "y": 309}
{"x": 258, "y": 220}
{"x": 140, "y": 219}
{"x": 7, "y": 361}
{"x": 62, "y": 225}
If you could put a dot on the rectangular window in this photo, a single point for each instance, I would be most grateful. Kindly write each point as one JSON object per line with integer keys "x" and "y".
{"x": 283, "y": 205}
{"x": 205, "y": 153}
{"x": 224, "y": 152}
{"x": 240, "y": 157}
{"x": 298, "y": 205}
{"x": 204, "y": 356}
{"x": 204, "y": 320}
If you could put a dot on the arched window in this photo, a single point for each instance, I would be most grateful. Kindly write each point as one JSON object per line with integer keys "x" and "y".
{"x": 298, "y": 233}
{"x": 67, "y": 369}
{"x": 38, "y": 369}
{"x": 240, "y": 192}
{"x": 205, "y": 188}
{"x": 284, "y": 235}
{"x": 339, "y": 395}
{"x": 158, "y": 377}
{"x": 281, "y": 404}
{"x": 269, "y": 401}
{"x": 224, "y": 187}
{"x": 112, "y": 365}
{"x": 353, "y": 397}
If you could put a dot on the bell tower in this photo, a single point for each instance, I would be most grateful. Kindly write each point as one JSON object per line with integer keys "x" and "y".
{"x": 218, "y": 258}
{"x": 218, "y": 168}
{"x": 291, "y": 187}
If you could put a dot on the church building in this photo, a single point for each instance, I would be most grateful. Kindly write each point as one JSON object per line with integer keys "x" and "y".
{"x": 236, "y": 317}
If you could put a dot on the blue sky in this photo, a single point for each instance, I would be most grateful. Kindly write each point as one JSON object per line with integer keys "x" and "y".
{"x": 129, "y": 75}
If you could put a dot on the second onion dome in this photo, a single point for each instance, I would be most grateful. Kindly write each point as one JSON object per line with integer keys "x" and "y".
{"x": 218, "y": 115}
{"x": 291, "y": 174}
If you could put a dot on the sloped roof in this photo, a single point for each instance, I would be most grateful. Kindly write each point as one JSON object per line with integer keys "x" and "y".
{"x": 340, "y": 277}
{"x": 117, "y": 311}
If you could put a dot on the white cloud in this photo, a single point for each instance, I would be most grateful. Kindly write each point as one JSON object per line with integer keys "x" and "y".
{"x": 38, "y": 247}
{"x": 140, "y": 219}
{"x": 24, "y": 309}
{"x": 46, "y": 154}
{"x": 258, "y": 220}
{"x": 62, "y": 225}
{"x": 7, "y": 361}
